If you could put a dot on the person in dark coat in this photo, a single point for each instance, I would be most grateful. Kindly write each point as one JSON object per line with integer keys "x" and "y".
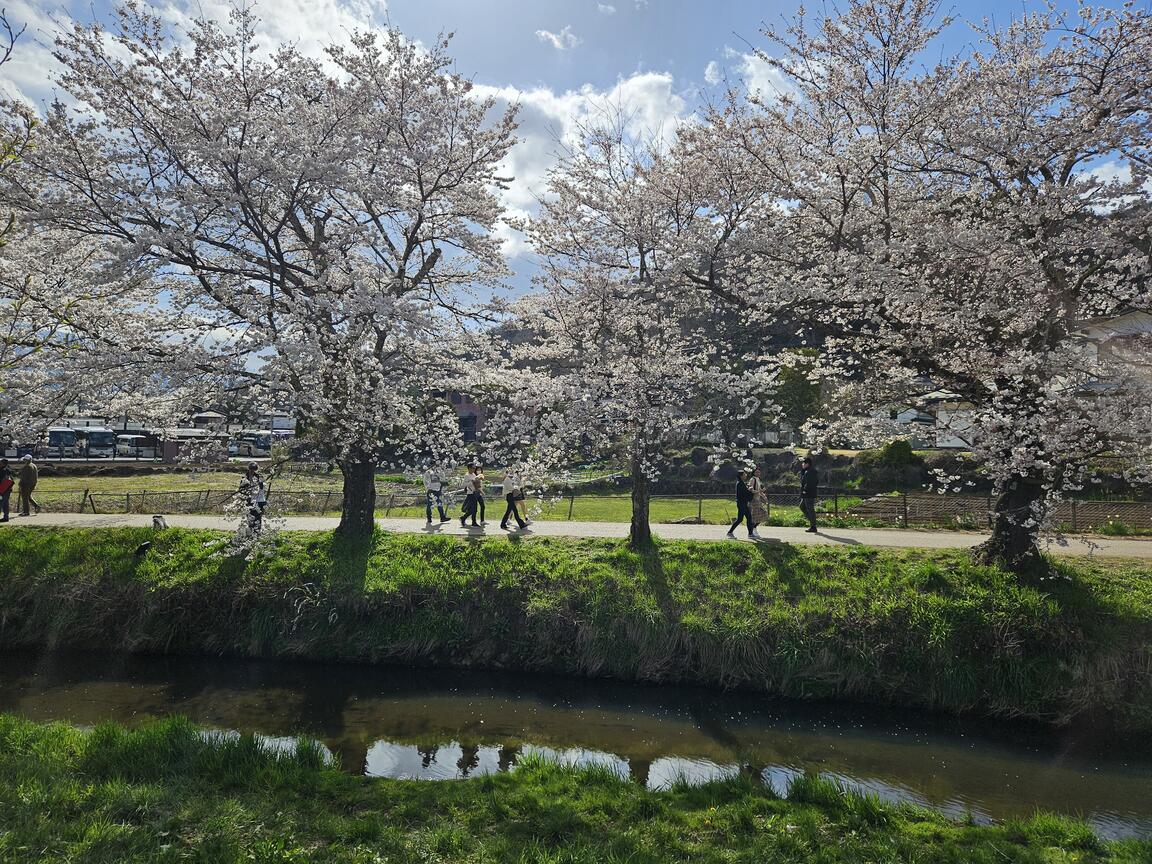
{"x": 809, "y": 484}
{"x": 743, "y": 505}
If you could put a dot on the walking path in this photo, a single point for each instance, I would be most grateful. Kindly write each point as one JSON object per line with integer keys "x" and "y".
{"x": 1104, "y": 546}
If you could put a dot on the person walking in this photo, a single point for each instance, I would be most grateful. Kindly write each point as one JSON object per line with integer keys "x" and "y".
{"x": 513, "y": 493}
{"x": 252, "y": 486}
{"x": 434, "y": 494}
{"x": 474, "y": 500}
{"x": 743, "y": 502}
{"x": 7, "y": 481}
{"x": 809, "y": 485}
{"x": 29, "y": 475}
{"x": 757, "y": 504}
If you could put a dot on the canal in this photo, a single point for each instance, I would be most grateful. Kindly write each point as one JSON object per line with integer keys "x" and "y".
{"x": 449, "y": 724}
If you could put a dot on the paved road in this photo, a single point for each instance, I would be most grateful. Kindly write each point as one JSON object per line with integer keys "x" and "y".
{"x": 1105, "y": 546}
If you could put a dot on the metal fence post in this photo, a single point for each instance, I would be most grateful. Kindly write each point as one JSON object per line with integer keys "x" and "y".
{"x": 904, "y": 496}
{"x": 127, "y": 502}
{"x": 836, "y": 504}
{"x": 388, "y": 508}
{"x": 700, "y": 508}
{"x": 327, "y": 499}
{"x": 571, "y": 504}
{"x": 1075, "y": 521}
{"x": 84, "y": 501}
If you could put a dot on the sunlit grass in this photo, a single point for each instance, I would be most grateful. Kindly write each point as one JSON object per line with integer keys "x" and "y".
{"x": 167, "y": 792}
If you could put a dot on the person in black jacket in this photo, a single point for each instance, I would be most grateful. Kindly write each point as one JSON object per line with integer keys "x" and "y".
{"x": 809, "y": 483}
{"x": 743, "y": 505}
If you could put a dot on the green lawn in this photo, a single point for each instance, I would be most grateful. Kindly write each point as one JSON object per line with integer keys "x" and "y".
{"x": 167, "y": 793}
{"x": 65, "y": 493}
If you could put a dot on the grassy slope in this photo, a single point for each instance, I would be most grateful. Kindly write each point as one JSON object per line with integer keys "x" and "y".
{"x": 165, "y": 793}
{"x": 891, "y": 626}
{"x": 906, "y": 627}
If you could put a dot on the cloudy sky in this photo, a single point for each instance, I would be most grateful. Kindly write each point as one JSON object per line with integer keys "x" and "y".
{"x": 557, "y": 58}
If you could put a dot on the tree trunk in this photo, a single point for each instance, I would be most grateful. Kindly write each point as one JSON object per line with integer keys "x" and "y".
{"x": 640, "y": 534}
{"x": 358, "y": 513}
{"x": 1013, "y": 541}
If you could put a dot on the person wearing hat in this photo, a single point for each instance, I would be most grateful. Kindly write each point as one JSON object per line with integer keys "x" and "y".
{"x": 809, "y": 484}
{"x": 29, "y": 474}
{"x": 7, "y": 481}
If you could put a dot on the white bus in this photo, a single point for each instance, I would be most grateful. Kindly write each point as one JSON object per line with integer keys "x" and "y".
{"x": 61, "y": 443}
{"x": 137, "y": 446}
{"x": 95, "y": 442}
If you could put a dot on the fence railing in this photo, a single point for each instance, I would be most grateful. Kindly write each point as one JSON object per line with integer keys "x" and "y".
{"x": 899, "y": 509}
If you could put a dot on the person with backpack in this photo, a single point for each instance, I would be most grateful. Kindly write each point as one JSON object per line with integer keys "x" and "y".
{"x": 7, "y": 481}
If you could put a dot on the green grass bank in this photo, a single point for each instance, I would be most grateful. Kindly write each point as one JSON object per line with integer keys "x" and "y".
{"x": 901, "y": 627}
{"x": 167, "y": 793}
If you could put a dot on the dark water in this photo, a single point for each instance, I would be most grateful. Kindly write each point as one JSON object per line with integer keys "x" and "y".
{"x": 440, "y": 725}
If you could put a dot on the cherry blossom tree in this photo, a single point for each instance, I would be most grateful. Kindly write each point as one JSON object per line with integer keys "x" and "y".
{"x": 622, "y": 363}
{"x": 954, "y": 227}
{"x": 318, "y": 226}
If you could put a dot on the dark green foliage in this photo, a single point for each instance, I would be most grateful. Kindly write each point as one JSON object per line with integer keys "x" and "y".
{"x": 167, "y": 792}
{"x": 904, "y": 627}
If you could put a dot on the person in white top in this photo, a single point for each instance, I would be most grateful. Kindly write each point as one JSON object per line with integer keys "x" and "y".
{"x": 252, "y": 485}
{"x": 513, "y": 492}
{"x": 474, "y": 487}
{"x": 434, "y": 493}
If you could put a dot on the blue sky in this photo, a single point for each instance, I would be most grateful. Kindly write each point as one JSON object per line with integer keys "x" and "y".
{"x": 557, "y": 58}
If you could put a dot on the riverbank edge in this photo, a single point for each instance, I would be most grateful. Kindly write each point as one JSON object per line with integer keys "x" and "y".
{"x": 167, "y": 791}
{"x": 897, "y": 627}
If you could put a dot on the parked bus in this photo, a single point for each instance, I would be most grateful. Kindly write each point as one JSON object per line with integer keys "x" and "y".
{"x": 95, "y": 442}
{"x": 137, "y": 446}
{"x": 61, "y": 443}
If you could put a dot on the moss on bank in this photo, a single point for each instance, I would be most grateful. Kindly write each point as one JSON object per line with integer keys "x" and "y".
{"x": 905, "y": 627}
{"x": 166, "y": 792}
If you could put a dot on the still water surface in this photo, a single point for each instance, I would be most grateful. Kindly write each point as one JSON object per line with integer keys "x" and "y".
{"x": 441, "y": 725}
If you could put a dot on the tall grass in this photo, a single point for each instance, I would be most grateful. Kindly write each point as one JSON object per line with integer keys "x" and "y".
{"x": 169, "y": 792}
{"x": 906, "y": 627}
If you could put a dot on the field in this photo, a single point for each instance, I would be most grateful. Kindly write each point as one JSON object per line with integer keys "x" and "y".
{"x": 167, "y": 792}
{"x": 901, "y": 627}
{"x": 66, "y": 493}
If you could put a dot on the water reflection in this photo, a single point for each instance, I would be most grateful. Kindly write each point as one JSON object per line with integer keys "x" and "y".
{"x": 444, "y": 725}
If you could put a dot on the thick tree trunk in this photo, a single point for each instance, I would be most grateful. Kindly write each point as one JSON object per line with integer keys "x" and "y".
{"x": 358, "y": 514}
{"x": 1013, "y": 541}
{"x": 640, "y": 534}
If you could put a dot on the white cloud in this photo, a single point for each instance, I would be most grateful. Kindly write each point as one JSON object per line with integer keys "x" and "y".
{"x": 761, "y": 78}
{"x": 561, "y": 41}
{"x": 712, "y": 72}
{"x": 606, "y": 8}
{"x": 27, "y": 75}
{"x": 549, "y": 120}
{"x": 310, "y": 25}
